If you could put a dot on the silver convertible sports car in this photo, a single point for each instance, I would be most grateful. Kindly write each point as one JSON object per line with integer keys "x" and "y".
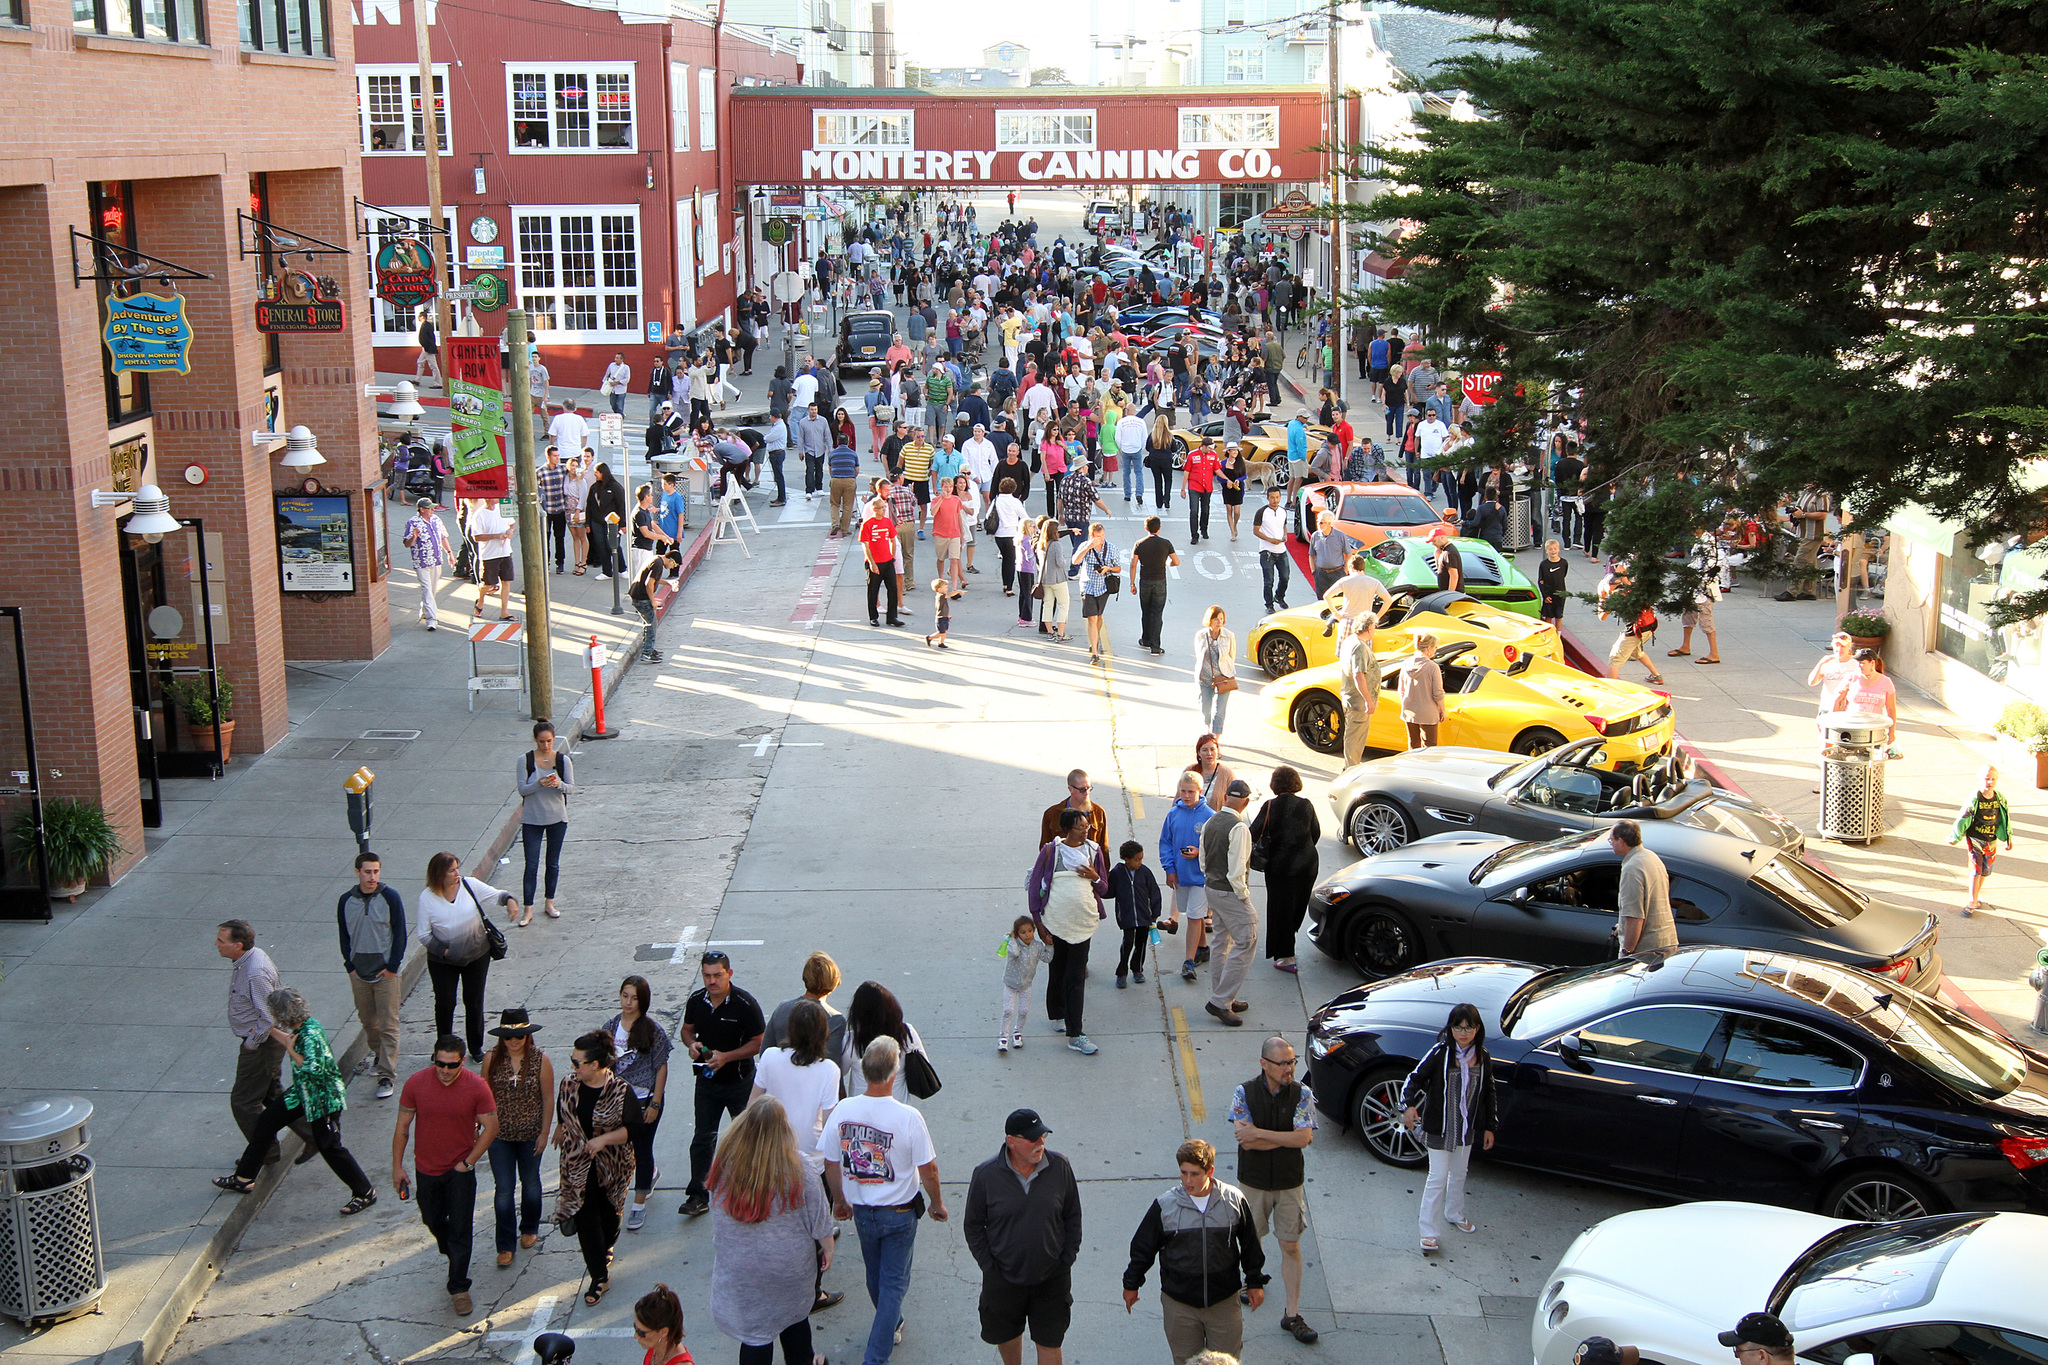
{"x": 1391, "y": 801}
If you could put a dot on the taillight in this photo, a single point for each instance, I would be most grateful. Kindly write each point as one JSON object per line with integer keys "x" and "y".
{"x": 2024, "y": 1152}
{"x": 1599, "y": 724}
{"x": 1898, "y": 969}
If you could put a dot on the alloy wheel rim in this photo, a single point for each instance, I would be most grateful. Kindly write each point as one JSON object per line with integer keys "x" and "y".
{"x": 1381, "y": 1123}
{"x": 1378, "y": 828}
{"x": 1879, "y": 1201}
{"x": 1386, "y": 944}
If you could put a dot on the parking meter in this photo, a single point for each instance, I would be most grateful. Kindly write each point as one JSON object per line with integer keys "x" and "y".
{"x": 358, "y": 788}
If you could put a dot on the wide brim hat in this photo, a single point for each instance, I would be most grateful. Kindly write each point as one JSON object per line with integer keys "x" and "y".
{"x": 513, "y": 1023}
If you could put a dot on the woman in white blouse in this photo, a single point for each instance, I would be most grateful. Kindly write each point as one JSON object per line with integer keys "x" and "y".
{"x": 450, "y": 912}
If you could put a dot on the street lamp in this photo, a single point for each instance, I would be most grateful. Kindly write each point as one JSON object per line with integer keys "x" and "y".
{"x": 407, "y": 398}
{"x": 301, "y": 452}
{"x": 149, "y": 514}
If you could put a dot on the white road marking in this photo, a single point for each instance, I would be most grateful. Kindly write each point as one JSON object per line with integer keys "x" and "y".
{"x": 801, "y": 510}
{"x": 685, "y": 941}
{"x": 1201, "y": 565}
{"x": 762, "y": 745}
{"x": 735, "y": 943}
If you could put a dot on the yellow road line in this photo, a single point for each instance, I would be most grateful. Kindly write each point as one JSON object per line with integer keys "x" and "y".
{"x": 1187, "y": 1066}
{"x": 1137, "y": 805}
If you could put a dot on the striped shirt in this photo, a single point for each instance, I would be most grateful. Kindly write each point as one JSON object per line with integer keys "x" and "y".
{"x": 917, "y": 461}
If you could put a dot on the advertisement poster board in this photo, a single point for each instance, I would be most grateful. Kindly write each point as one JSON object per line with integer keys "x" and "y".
{"x": 316, "y": 542}
{"x": 476, "y": 410}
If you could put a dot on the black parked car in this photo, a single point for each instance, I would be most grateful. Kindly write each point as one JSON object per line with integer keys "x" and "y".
{"x": 1556, "y": 902}
{"x": 863, "y": 342}
{"x": 1713, "y": 1073}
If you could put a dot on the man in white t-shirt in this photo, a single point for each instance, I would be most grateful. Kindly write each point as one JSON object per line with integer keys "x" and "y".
{"x": 980, "y": 455}
{"x": 492, "y": 533}
{"x": 569, "y": 432}
{"x": 803, "y": 389}
{"x": 1430, "y": 437}
{"x": 878, "y": 1151}
{"x": 1130, "y": 449}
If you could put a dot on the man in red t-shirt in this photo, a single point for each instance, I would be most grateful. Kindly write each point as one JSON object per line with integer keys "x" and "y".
{"x": 1198, "y": 480}
{"x": 878, "y": 547}
{"x": 1342, "y": 430}
{"x": 458, "y": 1121}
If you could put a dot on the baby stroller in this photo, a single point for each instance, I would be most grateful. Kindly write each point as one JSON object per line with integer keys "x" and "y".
{"x": 422, "y": 472}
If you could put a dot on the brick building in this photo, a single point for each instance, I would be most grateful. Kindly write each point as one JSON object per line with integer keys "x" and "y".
{"x": 586, "y": 167}
{"x": 154, "y": 126}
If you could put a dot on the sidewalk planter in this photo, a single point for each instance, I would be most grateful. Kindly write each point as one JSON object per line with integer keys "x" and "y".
{"x": 2023, "y": 740}
{"x": 77, "y": 841}
{"x": 194, "y": 701}
{"x": 1866, "y": 630}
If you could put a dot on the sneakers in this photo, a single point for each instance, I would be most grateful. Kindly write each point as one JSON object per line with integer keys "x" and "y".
{"x": 1187, "y": 970}
{"x": 1123, "y": 983}
{"x": 1002, "y": 1046}
{"x": 636, "y": 1217}
{"x": 695, "y": 1206}
{"x": 1081, "y": 1045}
{"x": 1017, "y": 1042}
{"x": 384, "y": 1087}
{"x": 1202, "y": 955}
{"x": 1138, "y": 977}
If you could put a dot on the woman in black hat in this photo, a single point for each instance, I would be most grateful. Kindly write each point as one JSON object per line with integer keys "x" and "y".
{"x": 522, "y": 1081}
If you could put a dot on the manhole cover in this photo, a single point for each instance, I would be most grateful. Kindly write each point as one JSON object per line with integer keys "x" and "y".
{"x": 357, "y": 750}
{"x": 389, "y": 734}
{"x": 756, "y": 731}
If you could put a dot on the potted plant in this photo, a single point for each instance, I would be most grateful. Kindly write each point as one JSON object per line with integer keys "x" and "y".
{"x": 1867, "y": 630}
{"x": 2026, "y": 725}
{"x": 194, "y": 700}
{"x": 77, "y": 842}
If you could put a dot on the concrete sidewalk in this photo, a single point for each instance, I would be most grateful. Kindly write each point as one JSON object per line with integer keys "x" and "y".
{"x": 121, "y": 998}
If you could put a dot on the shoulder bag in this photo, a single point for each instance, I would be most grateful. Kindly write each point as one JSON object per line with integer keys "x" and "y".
{"x": 1219, "y": 681}
{"x": 494, "y": 937}
{"x": 920, "y": 1077}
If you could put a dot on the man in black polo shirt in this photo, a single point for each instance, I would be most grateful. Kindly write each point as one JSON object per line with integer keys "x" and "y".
{"x": 1152, "y": 554}
{"x": 1274, "y": 1116}
{"x": 722, "y": 1028}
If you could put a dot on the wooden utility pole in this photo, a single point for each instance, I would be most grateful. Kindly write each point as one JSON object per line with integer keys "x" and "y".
{"x": 1338, "y": 369}
{"x": 430, "y": 132}
{"x": 533, "y": 557}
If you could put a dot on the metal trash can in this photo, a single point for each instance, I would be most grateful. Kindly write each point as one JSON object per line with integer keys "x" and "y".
{"x": 50, "y": 1262}
{"x": 1519, "y": 519}
{"x": 1852, "y": 777}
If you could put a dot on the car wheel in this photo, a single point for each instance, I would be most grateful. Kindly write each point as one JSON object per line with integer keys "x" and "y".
{"x": 1379, "y": 941}
{"x": 1180, "y": 453}
{"x": 1376, "y": 1113}
{"x": 1377, "y": 825}
{"x": 1540, "y": 740}
{"x": 1319, "y": 722}
{"x": 1280, "y": 654}
{"x": 1879, "y": 1196}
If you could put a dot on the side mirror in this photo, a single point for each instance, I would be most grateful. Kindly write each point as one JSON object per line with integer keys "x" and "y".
{"x": 1569, "y": 1048}
{"x": 1521, "y": 896}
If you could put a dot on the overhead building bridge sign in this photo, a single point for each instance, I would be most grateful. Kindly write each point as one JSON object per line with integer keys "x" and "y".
{"x": 796, "y": 136}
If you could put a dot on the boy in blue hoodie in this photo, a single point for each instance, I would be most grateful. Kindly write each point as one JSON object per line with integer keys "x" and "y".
{"x": 1180, "y": 839}
{"x": 1137, "y": 909}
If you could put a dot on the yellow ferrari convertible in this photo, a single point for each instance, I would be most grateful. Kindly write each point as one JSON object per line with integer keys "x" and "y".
{"x": 1529, "y": 707}
{"x": 1291, "y": 640}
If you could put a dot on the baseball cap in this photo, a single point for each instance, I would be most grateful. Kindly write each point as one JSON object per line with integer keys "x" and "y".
{"x": 1597, "y": 1351}
{"x": 424, "y": 502}
{"x": 1239, "y": 787}
{"x": 1762, "y": 1328}
{"x": 1025, "y": 1123}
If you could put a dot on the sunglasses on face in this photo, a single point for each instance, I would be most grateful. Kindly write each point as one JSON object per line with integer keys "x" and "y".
{"x": 716, "y": 959}
{"x": 455, "y": 1065}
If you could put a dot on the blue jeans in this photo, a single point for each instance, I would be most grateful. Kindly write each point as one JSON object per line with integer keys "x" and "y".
{"x": 887, "y": 1239}
{"x": 532, "y": 836}
{"x": 516, "y": 1161}
{"x": 1272, "y": 567}
{"x": 1134, "y": 476}
{"x": 1397, "y": 420}
{"x": 1214, "y": 704}
{"x": 618, "y": 402}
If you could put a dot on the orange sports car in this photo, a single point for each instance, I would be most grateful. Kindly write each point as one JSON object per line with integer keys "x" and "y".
{"x": 1371, "y": 512}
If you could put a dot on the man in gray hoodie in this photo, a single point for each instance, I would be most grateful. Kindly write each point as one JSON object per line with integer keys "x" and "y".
{"x": 372, "y": 921}
{"x": 814, "y": 439}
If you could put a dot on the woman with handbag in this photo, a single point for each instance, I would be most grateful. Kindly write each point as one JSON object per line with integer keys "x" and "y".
{"x": 1027, "y": 570}
{"x": 1284, "y": 835}
{"x": 880, "y": 413}
{"x": 576, "y": 485}
{"x": 1055, "y": 573}
{"x": 1101, "y": 579}
{"x": 461, "y": 942}
{"x": 1159, "y": 459}
{"x": 642, "y": 1047}
{"x": 522, "y": 1081}
{"x": 873, "y": 1012}
{"x": 604, "y": 511}
{"x": 595, "y": 1113}
{"x": 1215, "y": 669}
{"x": 316, "y": 1098}
{"x": 1064, "y": 894}
{"x": 771, "y": 1227}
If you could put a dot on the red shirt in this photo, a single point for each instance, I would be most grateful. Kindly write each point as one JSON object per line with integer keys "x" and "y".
{"x": 946, "y": 518}
{"x": 444, "y": 1126}
{"x": 878, "y": 535}
{"x": 1201, "y": 465}
{"x": 1343, "y": 432}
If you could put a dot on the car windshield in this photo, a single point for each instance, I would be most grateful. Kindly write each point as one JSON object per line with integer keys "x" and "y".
{"x": 1513, "y": 774}
{"x": 1810, "y": 891}
{"x": 1868, "y": 1269}
{"x": 1511, "y": 861}
{"x": 1387, "y": 509}
{"x": 1558, "y": 1000}
{"x": 1928, "y": 1034}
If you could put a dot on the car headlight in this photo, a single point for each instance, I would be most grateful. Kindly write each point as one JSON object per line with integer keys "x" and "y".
{"x": 1320, "y": 1047}
{"x": 1559, "y": 1311}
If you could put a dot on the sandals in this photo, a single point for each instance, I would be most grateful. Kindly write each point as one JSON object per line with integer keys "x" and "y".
{"x": 234, "y": 1184}
{"x": 1467, "y": 1226}
{"x": 594, "y": 1295}
{"x": 358, "y": 1204}
{"x": 1706, "y": 661}
{"x": 1679, "y": 653}
{"x": 1429, "y": 1245}
{"x": 1656, "y": 678}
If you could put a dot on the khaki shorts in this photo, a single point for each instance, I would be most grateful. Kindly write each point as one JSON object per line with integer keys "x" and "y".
{"x": 1626, "y": 648}
{"x": 946, "y": 547}
{"x": 1286, "y": 1209}
{"x": 1701, "y": 617}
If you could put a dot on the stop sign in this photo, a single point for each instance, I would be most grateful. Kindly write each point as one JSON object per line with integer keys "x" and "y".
{"x": 1479, "y": 387}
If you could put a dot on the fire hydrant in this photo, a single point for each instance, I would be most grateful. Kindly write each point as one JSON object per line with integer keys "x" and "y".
{"x": 2038, "y": 979}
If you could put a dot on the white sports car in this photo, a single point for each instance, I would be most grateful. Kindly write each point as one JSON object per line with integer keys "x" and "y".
{"x": 1952, "y": 1289}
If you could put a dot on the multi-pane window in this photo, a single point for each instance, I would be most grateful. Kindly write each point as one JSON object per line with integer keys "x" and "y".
{"x": 576, "y": 108}
{"x": 850, "y": 129}
{"x": 1211, "y": 128}
{"x": 1233, "y": 206}
{"x": 579, "y": 272}
{"x": 1244, "y": 64}
{"x": 389, "y": 112}
{"x": 297, "y": 27}
{"x": 707, "y": 109}
{"x": 390, "y": 324}
{"x": 1048, "y": 130}
{"x": 156, "y": 21}
{"x": 679, "y": 117}
{"x": 1233, "y": 13}
{"x": 707, "y": 244}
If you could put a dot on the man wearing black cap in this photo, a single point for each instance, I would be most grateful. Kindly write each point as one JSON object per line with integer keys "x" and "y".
{"x": 1024, "y": 1230}
{"x": 1226, "y": 850}
{"x": 1760, "y": 1339}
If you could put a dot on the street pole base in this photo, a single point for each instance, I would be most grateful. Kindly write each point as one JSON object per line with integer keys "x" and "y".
{"x": 600, "y": 734}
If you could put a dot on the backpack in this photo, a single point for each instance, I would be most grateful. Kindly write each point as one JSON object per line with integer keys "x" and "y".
{"x": 912, "y": 398}
{"x": 1645, "y": 623}
{"x": 558, "y": 768}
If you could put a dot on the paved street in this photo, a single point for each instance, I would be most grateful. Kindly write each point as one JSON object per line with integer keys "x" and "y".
{"x": 793, "y": 779}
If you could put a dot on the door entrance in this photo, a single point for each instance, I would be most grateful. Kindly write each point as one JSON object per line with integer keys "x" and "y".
{"x": 174, "y": 683}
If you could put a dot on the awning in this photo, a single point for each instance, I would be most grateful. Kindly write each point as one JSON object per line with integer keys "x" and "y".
{"x": 1384, "y": 267}
{"x": 1923, "y": 527}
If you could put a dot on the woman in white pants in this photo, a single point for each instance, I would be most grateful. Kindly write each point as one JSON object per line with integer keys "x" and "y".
{"x": 1449, "y": 1096}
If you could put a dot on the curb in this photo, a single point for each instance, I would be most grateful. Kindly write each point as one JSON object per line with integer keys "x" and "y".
{"x": 198, "y": 1278}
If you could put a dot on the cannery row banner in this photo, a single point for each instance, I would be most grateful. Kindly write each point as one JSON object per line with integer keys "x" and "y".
{"x": 476, "y": 408}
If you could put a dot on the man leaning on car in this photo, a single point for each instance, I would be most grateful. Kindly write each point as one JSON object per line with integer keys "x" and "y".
{"x": 1645, "y": 923}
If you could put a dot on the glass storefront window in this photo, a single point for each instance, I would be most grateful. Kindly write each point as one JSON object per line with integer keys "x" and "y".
{"x": 2014, "y": 654}
{"x": 113, "y": 220}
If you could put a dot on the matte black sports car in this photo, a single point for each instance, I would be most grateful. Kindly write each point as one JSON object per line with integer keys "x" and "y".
{"x": 1387, "y": 802}
{"x": 1712, "y": 1073}
{"x": 1557, "y": 903}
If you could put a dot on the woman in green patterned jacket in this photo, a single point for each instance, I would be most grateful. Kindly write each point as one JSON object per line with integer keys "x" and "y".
{"x": 317, "y": 1097}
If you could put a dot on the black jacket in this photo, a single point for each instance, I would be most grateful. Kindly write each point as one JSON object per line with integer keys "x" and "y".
{"x": 1027, "y": 1237}
{"x": 1288, "y": 829}
{"x": 1199, "y": 1251}
{"x": 606, "y": 496}
{"x": 395, "y": 956}
{"x": 1427, "y": 1084}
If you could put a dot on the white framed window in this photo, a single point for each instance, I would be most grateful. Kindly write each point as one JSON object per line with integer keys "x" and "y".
{"x": 391, "y": 325}
{"x": 852, "y": 129}
{"x": 679, "y": 117}
{"x": 1045, "y": 130}
{"x": 1202, "y": 129}
{"x": 707, "y": 220}
{"x": 388, "y": 109}
{"x": 1233, "y": 13}
{"x": 570, "y": 106}
{"x": 1244, "y": 64}
{"x": 579, "y": 271}
{"x": 707, "y": 109}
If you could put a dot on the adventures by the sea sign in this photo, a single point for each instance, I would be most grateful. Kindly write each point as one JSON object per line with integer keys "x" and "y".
{"x": 148, "y": 334}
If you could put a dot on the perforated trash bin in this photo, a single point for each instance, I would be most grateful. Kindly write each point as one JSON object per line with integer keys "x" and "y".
{"x": 1520, "y": 512}
{"x": 50, "y": 1263}
{"x": 1852, "y": 777}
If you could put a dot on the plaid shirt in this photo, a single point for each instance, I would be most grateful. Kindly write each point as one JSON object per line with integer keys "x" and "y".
{"x": 554, "y": 493}
{"x": 902, "y": 502}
